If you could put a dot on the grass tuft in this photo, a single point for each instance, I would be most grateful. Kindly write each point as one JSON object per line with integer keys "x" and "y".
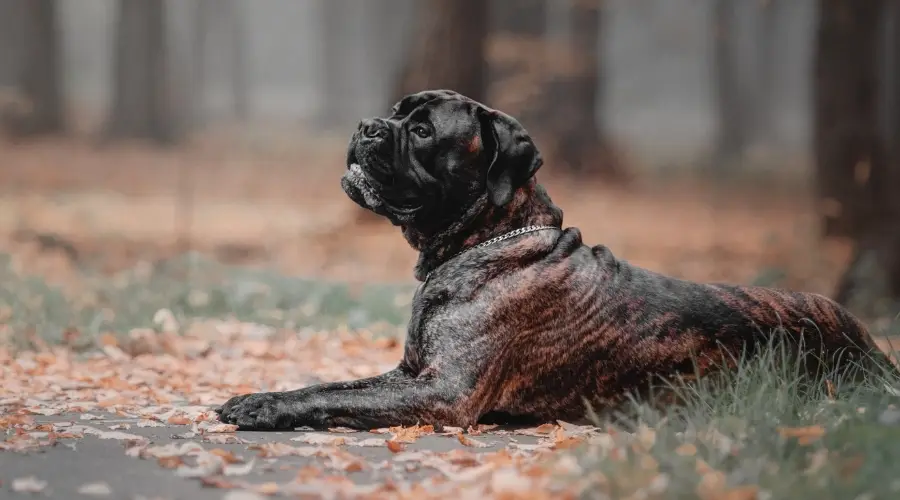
{"x": 764, "y": 430}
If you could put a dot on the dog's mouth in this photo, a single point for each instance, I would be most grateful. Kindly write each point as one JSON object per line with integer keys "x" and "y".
{"x": 374, "y": 183}
{"x": 355, "y": 180}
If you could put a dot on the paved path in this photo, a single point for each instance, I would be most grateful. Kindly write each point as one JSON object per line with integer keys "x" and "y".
{"x": 72, "y": 463}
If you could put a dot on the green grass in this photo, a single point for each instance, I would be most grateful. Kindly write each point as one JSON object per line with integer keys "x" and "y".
{"x": 192, "y": 287}
{"x": 735, "y": 424}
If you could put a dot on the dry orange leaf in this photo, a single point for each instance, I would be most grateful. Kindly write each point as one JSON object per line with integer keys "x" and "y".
{"x": 686, "y": 450}
{"x": 410, "y": 434}
{"x": 804, "y": 435}
{"x": 395, "y": 446}
{"x": 269, "y": 488}
{"x": 179, "y": 420}
{"x": 221, "y": 428}
{"x": 545, "y": 428}
{"x": 226, "y": 455}
{"x": 829, "y": 389}
{"x": 474, "y": 443}
{"x": 170, "y": 462}
{"x": 219, "y": 482}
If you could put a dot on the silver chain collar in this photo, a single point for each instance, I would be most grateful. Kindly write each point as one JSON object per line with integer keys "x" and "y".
{"x": 496, "y": 239}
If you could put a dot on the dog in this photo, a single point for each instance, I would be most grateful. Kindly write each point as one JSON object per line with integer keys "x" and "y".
{"x": 516, "y": 318}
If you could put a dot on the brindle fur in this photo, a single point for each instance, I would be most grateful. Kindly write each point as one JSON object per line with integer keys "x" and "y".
{"x": 531, "y": 327}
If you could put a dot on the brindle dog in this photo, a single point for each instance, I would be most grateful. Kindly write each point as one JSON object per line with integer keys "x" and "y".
{"x": 529, "y": 324}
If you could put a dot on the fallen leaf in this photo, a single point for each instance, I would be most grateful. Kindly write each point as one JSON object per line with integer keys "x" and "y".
{"x": 221, "y": 428}
{"x": 268, "y": 488}
{"x": 410, "y": 434}
{"x": 342, "y": 430}
{"x": 44, "y": 411}
{"x": 474, "y": 443}
{"x": 224, "y": 439}
{"x": 9, "y": 421}
{"x": 344, "y": 461}
{"x": 686, "y": 450}
{"x": 221, "y": 483}
{"x": 320, "y": 439}
{"x": 539, "y": 431}
{"x": 370, "y": 442}
{"x": 395, "y": 446}
{"x": 239, "y": 470}
{"x": 170, "y": 462}
{"x": 565, "y": 444}
{"x": 480, "y": 429}
{"x": 804, "y": 435}
{"x": 182, "y": 420}
{"x": 208, "y": 464}
{"x": 117, "y": 435}
{"x": 276, "y": 449}
{"x": 712, "y": 485}
{"x": 98, "y": 489}
{"x": 228, "y": 456}
{"x": 29, "y": 484}
{"x": 150, "y": 423}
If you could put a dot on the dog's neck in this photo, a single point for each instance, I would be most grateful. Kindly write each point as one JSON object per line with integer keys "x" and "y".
{"x": 531, "y": 205}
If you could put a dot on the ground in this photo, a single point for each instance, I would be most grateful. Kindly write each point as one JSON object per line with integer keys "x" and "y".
{"x": 115, "y": 345}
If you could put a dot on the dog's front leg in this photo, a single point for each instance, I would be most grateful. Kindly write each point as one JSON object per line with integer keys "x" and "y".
{"x": 393, "y": 398}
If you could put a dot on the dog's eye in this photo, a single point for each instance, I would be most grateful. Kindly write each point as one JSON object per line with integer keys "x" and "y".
{"x": 421, "y": 131}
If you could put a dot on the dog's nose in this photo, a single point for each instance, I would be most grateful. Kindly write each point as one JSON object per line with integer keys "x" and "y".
{"x": 373, "y": 129}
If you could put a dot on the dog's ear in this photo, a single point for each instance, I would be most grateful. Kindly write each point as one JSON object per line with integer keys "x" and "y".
{"x": 514, "y": 157}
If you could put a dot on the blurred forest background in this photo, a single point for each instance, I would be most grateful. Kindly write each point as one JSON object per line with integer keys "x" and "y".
{"x": 753, "y": 141}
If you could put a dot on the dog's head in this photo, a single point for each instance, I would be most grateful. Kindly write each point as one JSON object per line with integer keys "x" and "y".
{"x": 436, "y": 156}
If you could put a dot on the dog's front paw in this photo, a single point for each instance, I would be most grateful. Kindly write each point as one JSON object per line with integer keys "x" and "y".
{"x": 263, "y": 410}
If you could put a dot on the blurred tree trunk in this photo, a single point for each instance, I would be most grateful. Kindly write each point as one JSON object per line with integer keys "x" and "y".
{"x": 239, "y": 75}
{"x": 846, "y": 139}
{"x": 219, "y": 21}
{"x": 449, "y": 51}
{"x": 515, "y": 53}
{"x": 199, "y": 42}
{"x": 39, "y": 74}
{"x": 582, "y": 144}
{"x": 142, "y": 106}
{"x": 764, "y": 120}
{"x": 731, "y": 103}
{"x": 870, "y": 285}
{"x": 518, "y": 17}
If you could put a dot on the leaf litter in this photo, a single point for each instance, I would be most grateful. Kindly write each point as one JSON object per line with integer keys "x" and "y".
{"x": 154, "y": 380}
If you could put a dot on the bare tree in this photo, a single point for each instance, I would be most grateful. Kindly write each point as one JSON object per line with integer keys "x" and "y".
{"x": 847, "y": 145}
{"x": 871, "y": 283}
{"x": 39, "y": 76}
{"x": 450, "y": 49}
{"x": 142, "y": 102}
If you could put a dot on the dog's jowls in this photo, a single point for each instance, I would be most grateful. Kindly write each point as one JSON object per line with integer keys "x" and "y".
{"x": 529, "y": 327}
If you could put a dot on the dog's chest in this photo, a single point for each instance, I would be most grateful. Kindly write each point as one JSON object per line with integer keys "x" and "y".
{"x": 443, "y": 320}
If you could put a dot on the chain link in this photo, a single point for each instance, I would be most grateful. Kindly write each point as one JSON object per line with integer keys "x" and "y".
{"x": 496, "y": 239}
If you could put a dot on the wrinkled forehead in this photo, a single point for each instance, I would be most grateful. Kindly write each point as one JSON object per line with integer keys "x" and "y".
{"x": 446, "y": 115}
